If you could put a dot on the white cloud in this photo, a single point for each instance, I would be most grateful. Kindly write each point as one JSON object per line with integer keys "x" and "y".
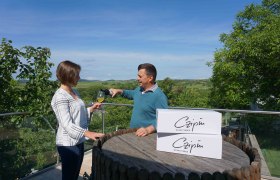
{"x": 103, "y": 65}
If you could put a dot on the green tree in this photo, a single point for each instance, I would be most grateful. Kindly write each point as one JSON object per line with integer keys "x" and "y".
{"x": 25, "y": 87}
{"x": 9, "y": 62}
{"x": 31, "y": 66}
{"x": 193, "y": 97}
{"x": 167, "y": 86}
{"x": 246, "y": 69}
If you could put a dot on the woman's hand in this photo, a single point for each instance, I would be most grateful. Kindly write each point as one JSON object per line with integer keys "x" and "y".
{"x": 94, "y": 106}
{"x": 93, "y": 135}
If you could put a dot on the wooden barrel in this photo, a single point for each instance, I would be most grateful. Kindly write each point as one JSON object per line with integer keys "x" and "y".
{"x": 123, "y": 155}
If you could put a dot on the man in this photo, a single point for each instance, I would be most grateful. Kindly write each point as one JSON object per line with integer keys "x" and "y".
{"x": 147, "y": 98}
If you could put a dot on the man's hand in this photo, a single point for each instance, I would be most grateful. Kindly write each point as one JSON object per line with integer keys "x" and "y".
{"x": 114, "y": 92}
{"x": 145, "y": 131}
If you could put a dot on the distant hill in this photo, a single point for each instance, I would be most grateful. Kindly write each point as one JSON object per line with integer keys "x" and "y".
{"x": 110, "y": 80}
{"x": 86, "y": 80}
{"x": 129, "y": 80}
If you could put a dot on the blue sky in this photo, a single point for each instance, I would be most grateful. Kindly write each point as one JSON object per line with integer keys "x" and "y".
{"x": 110, "y": 38}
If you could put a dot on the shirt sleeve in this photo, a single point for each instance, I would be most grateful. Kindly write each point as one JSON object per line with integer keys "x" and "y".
{"x": 128, "y": 94}
{"x": 61, "y": 108}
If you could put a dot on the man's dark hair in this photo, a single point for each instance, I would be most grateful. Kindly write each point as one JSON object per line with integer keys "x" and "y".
{"x": 150, "y": 70}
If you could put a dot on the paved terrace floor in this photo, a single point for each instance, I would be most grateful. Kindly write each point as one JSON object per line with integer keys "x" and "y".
{"x": 54, "y": 172}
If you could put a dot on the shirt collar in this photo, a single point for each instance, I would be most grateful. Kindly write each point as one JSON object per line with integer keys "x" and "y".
{"x": 151, "y": 89}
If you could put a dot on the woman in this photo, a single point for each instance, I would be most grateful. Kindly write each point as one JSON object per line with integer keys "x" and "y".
{"x": 72, "y": 116}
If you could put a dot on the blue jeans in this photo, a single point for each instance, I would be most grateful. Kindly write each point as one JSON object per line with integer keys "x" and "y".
{"x": 71, "y": 160}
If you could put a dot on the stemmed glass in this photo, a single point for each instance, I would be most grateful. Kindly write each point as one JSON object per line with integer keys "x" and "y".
{"x": 100, "y": 96}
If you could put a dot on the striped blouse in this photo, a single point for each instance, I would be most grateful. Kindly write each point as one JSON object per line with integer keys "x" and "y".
{"x": 72, "y": 117}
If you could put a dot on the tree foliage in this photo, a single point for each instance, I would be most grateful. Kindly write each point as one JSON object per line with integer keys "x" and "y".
{"x": 186, "y": 93}
{"x": 25, "y": 87}
{"x": 29, "y": 65}
{"x": 246, "y": 69}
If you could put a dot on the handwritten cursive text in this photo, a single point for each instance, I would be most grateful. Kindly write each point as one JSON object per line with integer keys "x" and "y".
{"x": 183, "y": 143}
{"x": 185, "y": 122}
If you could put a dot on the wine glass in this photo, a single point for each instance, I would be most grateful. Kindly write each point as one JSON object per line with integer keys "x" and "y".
{"x": 100, "y": 96}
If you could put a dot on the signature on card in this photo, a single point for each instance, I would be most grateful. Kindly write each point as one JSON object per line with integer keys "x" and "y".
{"x": 186, "y": 122}
{"x": 184, "y": 144}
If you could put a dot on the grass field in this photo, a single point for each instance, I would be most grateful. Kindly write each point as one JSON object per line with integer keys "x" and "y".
{"x": 272, "y": 158}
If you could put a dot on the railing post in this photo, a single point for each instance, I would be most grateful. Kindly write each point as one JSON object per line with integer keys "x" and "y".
{"x": 103, "y": 118}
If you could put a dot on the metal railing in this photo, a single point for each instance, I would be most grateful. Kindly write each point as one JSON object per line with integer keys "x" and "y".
{"x": 131, "y": 105}
{"x": 240, "y": 113}
{"x": 103, "y": 112}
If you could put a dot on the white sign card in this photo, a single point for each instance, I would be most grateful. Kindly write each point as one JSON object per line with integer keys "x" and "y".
{"x": 188, "y": 121}
{"x": 191, "y": 144}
